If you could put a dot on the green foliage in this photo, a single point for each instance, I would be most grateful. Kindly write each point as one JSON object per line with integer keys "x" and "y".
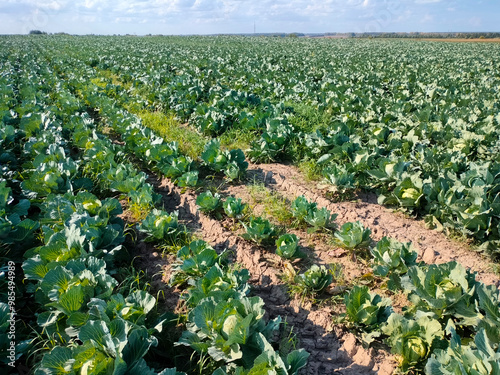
{"x": 234, "y": 208}
{"x": 477, "y": 358}
{"x": 190, "y": 142}
{"x": 408, "y": 194}
{"x": 259, "y": 230}
{"x": 412, "y": 340}
{"x": 342, "y": 179}
{"x": 188, "y": 179}
{"x": 286, "y": 246}
{"x": 21, "y": 347}
{"x": 353, "y": 236}
{"x": 391, "y": 255}
{"x": 301, "y": 208}
{"x": 273, "y": 141}
{"x": 391, "y": 259}
{"x": 320, "y": 219}
{"x": 445, "y": 291}
{"x": 209, "y": 203}
{"x": 313, "y": 281}
{"x": 194, "y": 261}
{"x": 86, "y": 220}
{"x": 227, "y": 330}
{"x": 488, "y": 307}
{"x": 232, "y": 163}
{"x": 160, "y": 226}
{"x": 15, "y": 228}
{"x": 365, "y": 310}
{"x": 307, "y": 212}
{"x": 269, "y": 362}
{"x": 219, "y": 283}
{"x": 273, "y": 203}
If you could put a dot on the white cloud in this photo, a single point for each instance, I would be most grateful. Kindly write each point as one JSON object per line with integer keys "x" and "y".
{"x": 475, "y": 21}
{"x": 427, "y": 18}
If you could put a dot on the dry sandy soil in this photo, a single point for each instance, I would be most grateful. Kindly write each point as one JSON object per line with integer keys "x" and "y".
{"x": 333, "y": 349}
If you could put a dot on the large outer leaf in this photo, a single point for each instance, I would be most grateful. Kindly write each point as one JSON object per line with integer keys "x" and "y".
{"x": 98, "y": 333}
{"x": 139, "y": 342}
{"x": 35, "y": 268}
{"x": 58, "y": 362}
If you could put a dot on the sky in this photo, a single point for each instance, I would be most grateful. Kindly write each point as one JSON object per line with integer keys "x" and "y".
{"x": 176, "y": 17}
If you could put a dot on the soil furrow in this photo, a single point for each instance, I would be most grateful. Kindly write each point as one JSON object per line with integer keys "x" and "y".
{"x": 332, "y": 349}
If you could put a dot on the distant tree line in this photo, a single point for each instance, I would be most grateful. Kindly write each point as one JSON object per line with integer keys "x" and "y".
{"x": 450, "y": 35}
{"x": 421, "y": 35}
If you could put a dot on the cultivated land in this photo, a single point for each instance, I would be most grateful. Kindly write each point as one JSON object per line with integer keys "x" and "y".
{"x": 464, "y": 40}
{"x": 232, "y": 205}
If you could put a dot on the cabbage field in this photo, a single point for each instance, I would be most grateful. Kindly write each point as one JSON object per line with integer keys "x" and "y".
{"x": 248, "y": 205}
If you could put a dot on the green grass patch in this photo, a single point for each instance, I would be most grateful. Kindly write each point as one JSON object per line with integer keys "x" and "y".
{"x": 307, "y": 118}
{"x": 275, "y": 205}
{"x": 190, "y": 142}
{"x": 237, "y": 138}
{"x": 310, "y": 170}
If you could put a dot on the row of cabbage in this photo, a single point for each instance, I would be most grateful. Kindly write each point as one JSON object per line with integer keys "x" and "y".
{"x": 164, "y": 158}
{"x": 53, "y": 157}
{"x": 416, "y": 122}
{"x": 223, "y": 321}
{"x": 450, "y": 324}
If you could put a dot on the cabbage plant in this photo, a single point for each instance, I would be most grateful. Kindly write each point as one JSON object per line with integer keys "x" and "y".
{"x": 259, "y": 230}
{"x": 208, "y": 202}
{"x": 353, "y": 236}
{"x": 412, "y": 340}
{"x": 314, "y": 281}
{"x": 234, "y": 208}
{"x": 286, "y": 246}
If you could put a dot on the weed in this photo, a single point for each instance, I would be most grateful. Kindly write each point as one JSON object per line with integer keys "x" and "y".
{"x": 139, "y": 210}
{"x": 42, "y": 343}
{"x": 337, "y": 271}
{"x": 132, "y": 279}
{"x": 190, "y": 142}
{"x": 288, "y": 339}
{"x": 275, "y": 205}
{"x": 307, "y": 118}
{"x": 310, "y": 170}
{"x": 237, "y": 138}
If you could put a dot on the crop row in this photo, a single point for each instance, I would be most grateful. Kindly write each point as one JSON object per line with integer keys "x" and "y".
{"x": 88, "y": 325}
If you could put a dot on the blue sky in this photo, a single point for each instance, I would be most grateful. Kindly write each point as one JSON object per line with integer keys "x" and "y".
{"x": 238, "y": 16}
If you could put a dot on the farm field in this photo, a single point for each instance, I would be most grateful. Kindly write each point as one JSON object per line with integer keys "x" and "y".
{"x": 464, "y": 40}
{"x": 231, "y": 205}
